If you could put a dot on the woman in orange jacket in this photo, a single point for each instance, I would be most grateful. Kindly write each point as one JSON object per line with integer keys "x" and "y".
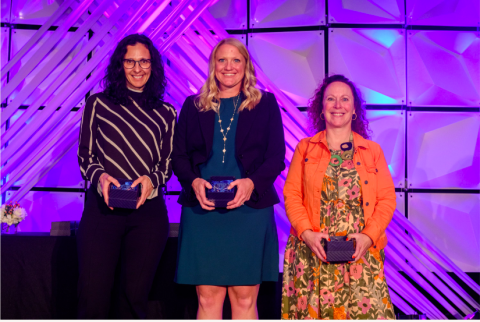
{"x": 338, "y": 184}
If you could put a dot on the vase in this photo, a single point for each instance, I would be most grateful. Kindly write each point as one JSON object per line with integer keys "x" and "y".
{"x": 9, "y": 230}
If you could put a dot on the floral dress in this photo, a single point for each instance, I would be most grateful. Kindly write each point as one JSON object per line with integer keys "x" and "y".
{"x": 316, "y": 290}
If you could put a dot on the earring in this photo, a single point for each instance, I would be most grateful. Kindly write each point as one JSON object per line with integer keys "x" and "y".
{"x": 323, "y": 118}
{"x": 353, "y": 119}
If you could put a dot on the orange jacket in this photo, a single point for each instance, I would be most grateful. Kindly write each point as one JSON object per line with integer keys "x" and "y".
{"x": 304, "y": 183}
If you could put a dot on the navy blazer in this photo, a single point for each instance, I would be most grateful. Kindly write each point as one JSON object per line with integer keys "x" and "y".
{"x": 259, "y": 148}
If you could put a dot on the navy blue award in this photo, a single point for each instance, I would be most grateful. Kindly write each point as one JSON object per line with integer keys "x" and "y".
{"x": 219, "y": 194}
{"x": 124, "y": 196}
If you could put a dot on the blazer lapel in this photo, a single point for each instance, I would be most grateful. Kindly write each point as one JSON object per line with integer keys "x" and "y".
{"x": 245, "y": 121}
{"x": 207, "y": 124}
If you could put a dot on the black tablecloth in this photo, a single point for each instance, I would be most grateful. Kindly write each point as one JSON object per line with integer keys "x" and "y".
{"x": 39, "y": 281}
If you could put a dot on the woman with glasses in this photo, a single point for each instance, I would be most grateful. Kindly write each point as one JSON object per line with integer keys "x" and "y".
{"x": 126, "y": 132}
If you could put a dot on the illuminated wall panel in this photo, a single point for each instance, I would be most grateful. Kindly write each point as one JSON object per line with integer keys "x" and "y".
{"x": 173, "y": 184}
{"x": 373, "y": 58}
{"x": 388, "y": 129}
{"x": 174, "y": 208}
{"x": 451, "y": 222}
{"x": 400, "y": 202}
{"x": 443, "y": 13}
{"x": 4, "y": 39}
{"x": 65, "y": 174}
{"x": 443, "y": 150}
{"x": 443, "y": 68}
{"x": 33, "y": 12}
{"x": 366, "y": 11}
{"x": 43, "y": 207}
{"x": 19, "y": 38}
{"x": 293, "y": 61}
{"x": 5, "y": 11}
{"x": 286, "y": 13}
{"x": 231, "y": 14}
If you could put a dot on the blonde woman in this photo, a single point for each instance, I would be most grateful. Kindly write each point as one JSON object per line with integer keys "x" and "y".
{"x": 230, "y": 129}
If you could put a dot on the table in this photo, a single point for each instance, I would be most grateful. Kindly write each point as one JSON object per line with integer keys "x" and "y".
{"x": 40, "y": 273}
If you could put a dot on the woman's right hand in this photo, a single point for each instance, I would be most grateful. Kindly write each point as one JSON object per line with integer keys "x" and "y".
{"x": 313, "y": 241}
{"x": 104, "y": 182}
{"x": 199, "y": 186}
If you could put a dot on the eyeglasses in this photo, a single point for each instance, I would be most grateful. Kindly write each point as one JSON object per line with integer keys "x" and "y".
{"x": 130, "y": 63}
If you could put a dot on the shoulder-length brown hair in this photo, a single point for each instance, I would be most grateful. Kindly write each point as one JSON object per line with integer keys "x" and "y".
{"x": 209, "y": 94}
{"x": 359, "y": 125}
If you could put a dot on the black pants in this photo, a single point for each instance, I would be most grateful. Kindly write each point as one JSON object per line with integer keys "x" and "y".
{"x": 135, "y": 239}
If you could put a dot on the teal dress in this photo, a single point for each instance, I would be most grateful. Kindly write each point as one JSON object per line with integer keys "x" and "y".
{"x": 226, "y": 247}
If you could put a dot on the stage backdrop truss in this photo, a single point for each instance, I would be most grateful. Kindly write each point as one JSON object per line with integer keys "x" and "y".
{"x": 19, "y": 39}
{"x": 4, "y": 41}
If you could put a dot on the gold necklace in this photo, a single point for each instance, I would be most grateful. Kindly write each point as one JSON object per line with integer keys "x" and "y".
{"x": 228, "y": 128}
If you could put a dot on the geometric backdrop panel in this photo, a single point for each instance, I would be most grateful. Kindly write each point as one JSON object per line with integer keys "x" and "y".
{"x": 230, "y": 14}
{"x": 4, "y": 40}
{"x": 5, "y": 11}
{"x": 33, "y": 12}
{"x": 366, "y": 11}
{"x": 286, "y": 13}
{"x": 443, "y": 13}
{"x": 173, "y": 184}
{"x": 443, "y": 150}
{"x": 174, "y": 208}
{"x": 388, "y": 129}
{"x": 374, "y": 59}
{"x": 43, "y": 207}
{"x": 19, "y": 38}
{"x": 65, "y": 174}
{"x": 400, "y": 202}
{"x": 452, "y": 223}
{"x": 443, "y": 68}
{"x": 293, "y": 61}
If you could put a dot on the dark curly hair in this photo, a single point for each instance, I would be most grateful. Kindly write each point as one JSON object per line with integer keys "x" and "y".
{"x": 115, "y": 81}
{"x": 359, "y": 125}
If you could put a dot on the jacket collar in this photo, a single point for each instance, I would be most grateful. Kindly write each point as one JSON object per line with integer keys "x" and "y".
{"x": 321, "y": 137}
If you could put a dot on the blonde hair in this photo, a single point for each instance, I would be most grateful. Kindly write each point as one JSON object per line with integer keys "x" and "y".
{"x": 209, "y": 94}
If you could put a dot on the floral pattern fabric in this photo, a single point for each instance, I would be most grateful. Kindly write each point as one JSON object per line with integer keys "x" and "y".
{"x": 315, "y": 290}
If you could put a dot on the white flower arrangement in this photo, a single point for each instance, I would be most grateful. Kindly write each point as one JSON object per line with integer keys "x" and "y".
{"x": 12, "y": 214}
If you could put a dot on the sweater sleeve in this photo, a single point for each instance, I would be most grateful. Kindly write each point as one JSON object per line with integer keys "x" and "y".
{"x": 90, "y": 166}
{"x": 163, "y": 169}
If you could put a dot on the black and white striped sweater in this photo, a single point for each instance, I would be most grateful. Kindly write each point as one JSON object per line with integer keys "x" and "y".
{"x": 126, "y": 141}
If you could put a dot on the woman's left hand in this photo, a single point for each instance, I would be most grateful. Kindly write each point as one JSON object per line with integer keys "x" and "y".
{"x": 244, "y": 191}
{"x": 147, "y": 189}
{"x": 363, "y": 244}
